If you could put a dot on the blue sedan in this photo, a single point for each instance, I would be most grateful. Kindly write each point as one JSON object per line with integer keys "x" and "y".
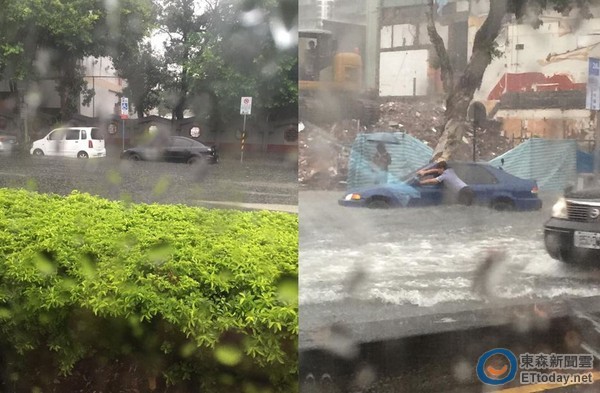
{"x": 492, "y": 187}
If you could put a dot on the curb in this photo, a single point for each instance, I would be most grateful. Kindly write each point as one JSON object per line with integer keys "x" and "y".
{"x": 251, "y": 206}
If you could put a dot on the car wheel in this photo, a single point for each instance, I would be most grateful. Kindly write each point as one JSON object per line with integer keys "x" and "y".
{"x": 378, "y": 203}
{"x": 38, "y": 152}
{"x": 503, "y": 205}
{"x": 82, "y": 154}
{"x": 134, "y": 157}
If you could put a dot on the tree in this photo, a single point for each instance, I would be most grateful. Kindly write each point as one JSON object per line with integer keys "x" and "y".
{"x": 185, "y": 26}
{"x": 459, "y": 90}
{"x": 41, "y": 39}
{"x": 141, "y": 68}
{"x": 241, "y": 57}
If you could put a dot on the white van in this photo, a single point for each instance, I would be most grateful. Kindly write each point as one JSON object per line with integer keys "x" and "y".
{"x": 80, "y": 142}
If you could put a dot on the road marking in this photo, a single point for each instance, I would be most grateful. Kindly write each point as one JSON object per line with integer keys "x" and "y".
{"x": 546, "y": 386}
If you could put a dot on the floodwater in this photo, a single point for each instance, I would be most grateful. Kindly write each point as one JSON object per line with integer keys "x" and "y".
{"x": 428, "y": 257}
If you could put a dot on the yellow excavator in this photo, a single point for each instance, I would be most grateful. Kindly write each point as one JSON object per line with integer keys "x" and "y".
{"x": 330, "y": 82}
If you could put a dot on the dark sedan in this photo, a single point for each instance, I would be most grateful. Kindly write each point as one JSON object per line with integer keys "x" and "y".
{"x": 572, "y": 234}
{"x": 173, "y": 149}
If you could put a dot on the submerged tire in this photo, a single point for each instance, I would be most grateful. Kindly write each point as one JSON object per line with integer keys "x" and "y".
{"x": 503, "y": 205}
{"x": 378, "y": 203}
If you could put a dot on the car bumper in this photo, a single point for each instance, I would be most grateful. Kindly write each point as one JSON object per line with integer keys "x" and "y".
{"x": 98, "y": 153}
{"x": 353, "y": 202}
{"x": 529, "y": 204}
{"x": 560, "y": 244}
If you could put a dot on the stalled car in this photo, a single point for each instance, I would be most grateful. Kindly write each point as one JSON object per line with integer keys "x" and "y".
{"x": 491, "y": 186}
{"x": 174, "y": 149}
{"x": 572, "y": 234}
{"x": 8, "y": 144}
{"x": 79, "y": 142}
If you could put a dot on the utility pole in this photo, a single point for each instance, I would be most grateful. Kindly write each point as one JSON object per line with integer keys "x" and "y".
{"x": 597, "y": 151}
{"x": 371, "y": 55}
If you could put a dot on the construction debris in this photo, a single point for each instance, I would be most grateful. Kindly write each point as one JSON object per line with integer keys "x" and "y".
{"x": 324, "y": 149}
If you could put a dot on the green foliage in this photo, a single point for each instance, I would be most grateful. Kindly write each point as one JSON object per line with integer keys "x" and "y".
{"x": 240, "y": 58}
{"x": 141, "y": 67}
{"x": 65, "y": 32}
{"x": 203, "y": 298}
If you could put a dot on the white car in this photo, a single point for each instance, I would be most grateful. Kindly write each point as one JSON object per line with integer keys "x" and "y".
{"x": 80, "y": 142}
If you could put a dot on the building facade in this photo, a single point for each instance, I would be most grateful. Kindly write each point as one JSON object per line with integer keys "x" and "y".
{"x": 543, "y": 63}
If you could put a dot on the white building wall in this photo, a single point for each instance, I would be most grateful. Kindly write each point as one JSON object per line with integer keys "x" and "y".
{"x": 560, "y": 46}
{"x": 403, "y": 73}
{"x": 101, "y": 76}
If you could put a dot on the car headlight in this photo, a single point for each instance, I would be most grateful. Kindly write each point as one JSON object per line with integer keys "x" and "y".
{"x": 559, "y": 210}
{"x": 352, "y": 197}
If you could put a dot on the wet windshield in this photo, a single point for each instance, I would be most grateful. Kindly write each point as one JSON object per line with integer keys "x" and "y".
{"x": 128, "y": 263}
{"x": 462, "y": 285}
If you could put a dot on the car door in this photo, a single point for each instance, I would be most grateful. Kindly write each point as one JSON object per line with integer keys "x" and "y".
{"x": 54, "y": 143}
{"x": 483, "y": 183}
{"x": 177, "y": 150}
{"x": 98, "y": 143}
{"x": 431, "y": 194}
{"x": 72, "y": 143}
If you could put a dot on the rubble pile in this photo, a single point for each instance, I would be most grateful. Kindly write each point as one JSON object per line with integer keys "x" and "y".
{"x": 423, "y": 120}
{"x": 324, "y": 149}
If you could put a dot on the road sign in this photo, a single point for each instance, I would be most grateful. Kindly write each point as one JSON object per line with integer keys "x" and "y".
{"x": 592, "y": 100}
{"x": 124, "y": 108}
{"x": 246, "y": 106}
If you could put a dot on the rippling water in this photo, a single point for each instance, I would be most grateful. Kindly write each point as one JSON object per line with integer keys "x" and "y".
{"x": 426, "y": 256}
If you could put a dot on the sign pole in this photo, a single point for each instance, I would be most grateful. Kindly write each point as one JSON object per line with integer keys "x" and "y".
{"x": 243, "y": 139}
{"x": 245, "y": 109}
{"x": 124, "y": 115}
{"x": 474, "y": 144}
{"x": 123, "y": 138}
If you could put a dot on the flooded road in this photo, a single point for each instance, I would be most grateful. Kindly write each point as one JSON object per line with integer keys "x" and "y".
{"x": 365, "y": 265}
{"x": 256, "y": 180}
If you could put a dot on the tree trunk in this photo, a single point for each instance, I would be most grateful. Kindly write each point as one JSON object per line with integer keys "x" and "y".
{"x": 69, "y": 88}
{"x": 460, "y": 94}
{"x": 139, "y": 109}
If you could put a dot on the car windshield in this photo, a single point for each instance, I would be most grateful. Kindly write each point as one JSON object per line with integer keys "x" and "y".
{"x": 197, "y": 144}
{"x": 472, "y": 270}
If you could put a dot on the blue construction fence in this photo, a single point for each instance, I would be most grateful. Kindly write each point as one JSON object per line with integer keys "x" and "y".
{"x": 552, "y": 163}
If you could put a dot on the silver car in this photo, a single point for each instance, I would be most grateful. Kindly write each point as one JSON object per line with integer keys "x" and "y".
{"x": 8, "y": 144}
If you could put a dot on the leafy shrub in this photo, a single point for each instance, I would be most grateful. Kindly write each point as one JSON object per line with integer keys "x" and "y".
{"x": 163, "y": 295}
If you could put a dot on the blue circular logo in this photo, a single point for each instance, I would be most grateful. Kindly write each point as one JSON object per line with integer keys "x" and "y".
{"x": 497, "y": 367}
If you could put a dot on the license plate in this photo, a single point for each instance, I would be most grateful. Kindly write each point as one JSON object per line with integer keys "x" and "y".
{"x": 587, "y": 239}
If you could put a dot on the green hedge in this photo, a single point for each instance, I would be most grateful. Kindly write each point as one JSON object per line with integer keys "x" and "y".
{"x": 196, "y": 299}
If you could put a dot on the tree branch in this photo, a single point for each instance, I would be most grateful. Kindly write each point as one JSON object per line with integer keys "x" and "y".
{"x": 447, "y": 73}
{"x": 483, "y": 48}
{"x": 483, "y": 44}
